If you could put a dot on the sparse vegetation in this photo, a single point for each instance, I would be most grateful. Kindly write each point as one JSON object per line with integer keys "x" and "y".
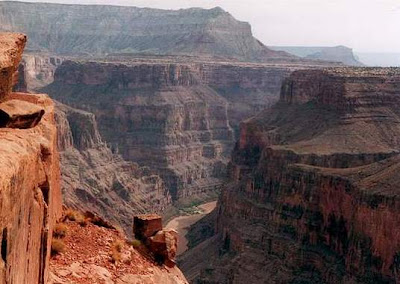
{"x": 135, "y": 243}
{"x": 57, "y": 246}
{"x": 116, "y": 249}
{"x": 60, "y": 231}
{"x": 71, "y": 215}
{"x": 76, "y": 216}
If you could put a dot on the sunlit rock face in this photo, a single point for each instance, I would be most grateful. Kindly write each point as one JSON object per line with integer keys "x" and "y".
{"x": 30, "y": 193}
{"x": 313, "y": 195}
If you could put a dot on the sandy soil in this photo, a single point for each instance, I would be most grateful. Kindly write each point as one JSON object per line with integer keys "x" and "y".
{"x": 182, "y": 224}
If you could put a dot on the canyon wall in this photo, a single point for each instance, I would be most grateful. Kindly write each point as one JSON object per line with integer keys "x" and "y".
{"x": 96, "y": 179}
{"x": 30, "y": 196}
{"x": 132, "y": 30}
{"x": 313, "y": 195}
{"x": 175, "y": 118}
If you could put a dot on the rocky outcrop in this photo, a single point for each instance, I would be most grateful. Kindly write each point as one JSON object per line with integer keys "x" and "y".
{"x": 30, "y": 193}
{"x": 162, "y": 243}
{"x": 96, "y": 179}
{"x": 94, "y": 254}
{"x": 132, "y": 30}
{"x": 11, "y": 49}
{"x": 313, "y": 196}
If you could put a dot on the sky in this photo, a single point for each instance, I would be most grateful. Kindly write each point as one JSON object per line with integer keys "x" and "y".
{"x": 364, "y": 25}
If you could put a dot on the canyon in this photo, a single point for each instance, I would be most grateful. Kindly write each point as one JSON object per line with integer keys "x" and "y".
{"x": 176, "y": 119}
{"x": 41, "y": 240}
{"x": 157, "y": 110}
{"x": 312, "y": 204}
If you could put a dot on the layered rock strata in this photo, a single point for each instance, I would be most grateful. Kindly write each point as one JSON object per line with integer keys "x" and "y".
{"x": 158, "y": 115}
{"x": 313, "y": 196}
{"x": 132, "y": 30}
{"x": 176, "y": 118}
{"x": 96, "y": 179}
{"x": 30, "y": 194}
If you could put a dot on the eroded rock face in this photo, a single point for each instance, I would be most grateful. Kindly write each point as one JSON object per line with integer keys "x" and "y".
{"x": 314, "y": 195}
{"x": 30, "y": 193}
{"x": 96, "y": 179}
{"x": 176, "y": 118}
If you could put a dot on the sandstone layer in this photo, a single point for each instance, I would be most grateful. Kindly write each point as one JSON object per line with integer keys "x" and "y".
{"x": 30, "y": 196}
{"x": 96, "y": 179}
{"x": 132, "y": 30}
{"x": 314, "y": 192}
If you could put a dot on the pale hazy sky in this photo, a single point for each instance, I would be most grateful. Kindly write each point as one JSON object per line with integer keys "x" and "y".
{"x": 365, "y": 25}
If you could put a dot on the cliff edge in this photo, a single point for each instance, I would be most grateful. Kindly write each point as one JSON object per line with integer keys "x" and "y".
{"x": 30, "y": 196}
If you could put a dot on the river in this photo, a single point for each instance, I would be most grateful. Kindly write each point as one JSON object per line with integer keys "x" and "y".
{"x": 182, "y": 223}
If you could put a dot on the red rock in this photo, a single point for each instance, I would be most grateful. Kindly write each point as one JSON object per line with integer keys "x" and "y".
{"x": 30, "y": 180}
{"x": 20, "y": 114}
{"x": 164, "y": 245}
{"x": 145, "y": 226}
{"x": 11, "y": 48}
{"x": 314, "y": 193}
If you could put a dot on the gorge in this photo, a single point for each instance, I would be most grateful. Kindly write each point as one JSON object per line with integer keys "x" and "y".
{"x": 152, "y": 114}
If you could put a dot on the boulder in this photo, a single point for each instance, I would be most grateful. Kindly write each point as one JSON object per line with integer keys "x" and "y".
{"x": 145, "y": 226}
{"x": 164, "y": 246}
{"x": 20, "y": 114}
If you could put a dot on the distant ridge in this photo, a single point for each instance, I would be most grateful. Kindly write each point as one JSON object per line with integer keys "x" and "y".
{"x": 99, "y": 29}
{"x": 339, "y": 53}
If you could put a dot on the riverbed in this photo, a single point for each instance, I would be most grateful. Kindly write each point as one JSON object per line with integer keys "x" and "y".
{"x": 182, "y": 223}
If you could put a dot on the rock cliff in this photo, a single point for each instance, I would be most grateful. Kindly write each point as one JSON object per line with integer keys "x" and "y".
{"x": 98, "y": 180}
{"x": 30, "y": 196}
{"x": 132, "y": 30}
{"x": 313, "y": 196}
{"x": 176, "y": 118}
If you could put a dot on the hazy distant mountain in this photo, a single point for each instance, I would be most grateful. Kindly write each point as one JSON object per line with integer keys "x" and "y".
{"x": 96, "y": 29}
{"x": 337, "y": 53}
{"x": 379, "y": 59}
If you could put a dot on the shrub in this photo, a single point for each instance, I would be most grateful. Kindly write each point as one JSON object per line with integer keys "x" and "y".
{"x": 60, "y": 231}
{"x": 115, "y": 256}
{"x": 117, "y": 245}
{"x": 70, "y": 215}
{"x": 134, "y": 243}
{"x": 57, "y": 246}
{"x": 116, "y": 249}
